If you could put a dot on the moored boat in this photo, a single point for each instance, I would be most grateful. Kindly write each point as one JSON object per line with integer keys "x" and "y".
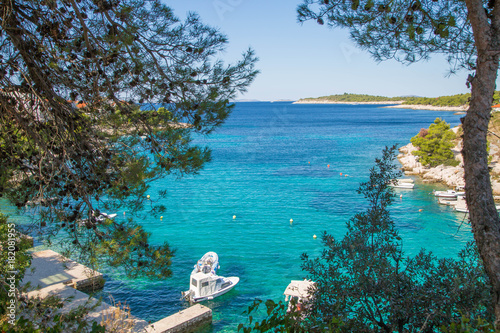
{"x": 298, "y": 293}
{"x": 403, "y": 183}
{"x": 204, "y": 283}
{"x": 447, "y": 201}
{"x": 448, "y": 194}
{"x": 205, "y": 286}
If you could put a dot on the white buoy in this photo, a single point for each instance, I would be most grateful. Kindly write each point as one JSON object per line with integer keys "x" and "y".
{"x": 314, "y": 236}
{"x": 234, "y": 217}
{"x": 148, "y": 196}
{"x": 291, "y": 221}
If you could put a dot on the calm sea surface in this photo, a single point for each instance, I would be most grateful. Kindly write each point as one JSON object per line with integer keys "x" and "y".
{"x": 270, "y": 165}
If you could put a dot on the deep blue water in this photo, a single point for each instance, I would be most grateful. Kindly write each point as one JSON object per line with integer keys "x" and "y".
{"x": 270, "y": 165}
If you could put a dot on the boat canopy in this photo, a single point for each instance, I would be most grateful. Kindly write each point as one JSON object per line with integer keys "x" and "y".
{"x": 205, "y": 284}
{"x": 209, "y": 263}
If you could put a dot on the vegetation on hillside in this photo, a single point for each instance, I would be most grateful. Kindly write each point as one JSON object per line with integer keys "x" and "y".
{"x": 434, "y": 144}
{"x": 353, "y": 98}
{"x": 453, "y": 100}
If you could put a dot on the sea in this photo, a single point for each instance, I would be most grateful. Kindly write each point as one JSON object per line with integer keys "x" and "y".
{"x": 281, "y": 174}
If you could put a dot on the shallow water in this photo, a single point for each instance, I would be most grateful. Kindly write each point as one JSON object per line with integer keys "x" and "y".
{"x": 270, "y": 165}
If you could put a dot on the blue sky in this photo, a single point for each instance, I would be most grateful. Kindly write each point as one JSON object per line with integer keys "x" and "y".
{"x": 309, "y": 60}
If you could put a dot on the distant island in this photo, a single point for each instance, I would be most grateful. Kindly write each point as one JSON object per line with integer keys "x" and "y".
{"x": 351, "y": 99}
{"x": 459, "y": 102}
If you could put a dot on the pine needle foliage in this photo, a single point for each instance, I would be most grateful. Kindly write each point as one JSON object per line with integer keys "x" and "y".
{"x": 97, "y": 100}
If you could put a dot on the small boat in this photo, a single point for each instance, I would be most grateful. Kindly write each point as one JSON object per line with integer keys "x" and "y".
{"x": 205, "y": 284}
{"x": 402, "y": 183}
{"x": 104, "y": 216}
{"x": 99, "y": 217}
{"x": 447, "y": 201}
{"x": 208, "y": 286}
{"x": 298, "y": 293}
{"x": 108, "y": 216}
{"x": 448, "y": 194}
{"x": 209, "y": 263}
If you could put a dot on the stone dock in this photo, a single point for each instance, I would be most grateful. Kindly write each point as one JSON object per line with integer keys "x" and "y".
{"x": 52, "y": 274}
{"x": 188, "y": 320}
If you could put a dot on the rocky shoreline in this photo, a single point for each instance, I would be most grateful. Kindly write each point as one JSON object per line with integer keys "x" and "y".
{"x": 448, "y": 175}
{"x": 462, "y": 108}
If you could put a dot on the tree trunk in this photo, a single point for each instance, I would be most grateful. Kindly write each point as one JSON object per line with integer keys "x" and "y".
{"x": 483, "y": 215}
{"x": 482, "y": 211}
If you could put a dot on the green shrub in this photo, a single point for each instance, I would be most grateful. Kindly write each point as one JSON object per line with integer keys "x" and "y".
{"x": 434, "y": 147}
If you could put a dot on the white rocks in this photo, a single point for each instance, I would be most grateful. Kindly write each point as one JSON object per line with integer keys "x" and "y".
{"x": 451, "y": 176}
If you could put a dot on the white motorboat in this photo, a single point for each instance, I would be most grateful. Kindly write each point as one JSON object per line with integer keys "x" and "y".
{"x": 99, "y": 217}
{"x": 448, "y": 194}
{"x": 205, "y": 284}
{"x": 462, "y": 209}
{"x": 104, "y": 216}
{"x": 209, "y": 263}
{"x": 447, "y": 202}
{"x": 298, "y": 293}
{"x": 403, "y": 183}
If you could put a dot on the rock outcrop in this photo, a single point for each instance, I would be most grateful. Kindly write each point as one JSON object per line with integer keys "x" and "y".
{"x": 449, "y": 175}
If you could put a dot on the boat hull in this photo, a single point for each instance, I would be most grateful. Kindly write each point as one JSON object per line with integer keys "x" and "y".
{"x": 232, "y": 282}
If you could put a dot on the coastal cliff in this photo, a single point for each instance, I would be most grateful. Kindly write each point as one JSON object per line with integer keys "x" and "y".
{"x": 449, "y": 175}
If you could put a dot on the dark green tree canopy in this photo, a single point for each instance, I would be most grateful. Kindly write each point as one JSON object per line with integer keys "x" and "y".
{"x": 407, "y": 31}
{"x": 75, "y": 77}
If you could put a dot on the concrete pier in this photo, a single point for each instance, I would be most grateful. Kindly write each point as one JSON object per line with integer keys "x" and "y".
{"x": 56, "y": 275}
{"x": 188, "y": 320}
{"x": 51, "y": 268}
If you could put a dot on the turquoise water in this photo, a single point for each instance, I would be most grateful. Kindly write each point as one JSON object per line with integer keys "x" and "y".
{"x": 270, "y": 165}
